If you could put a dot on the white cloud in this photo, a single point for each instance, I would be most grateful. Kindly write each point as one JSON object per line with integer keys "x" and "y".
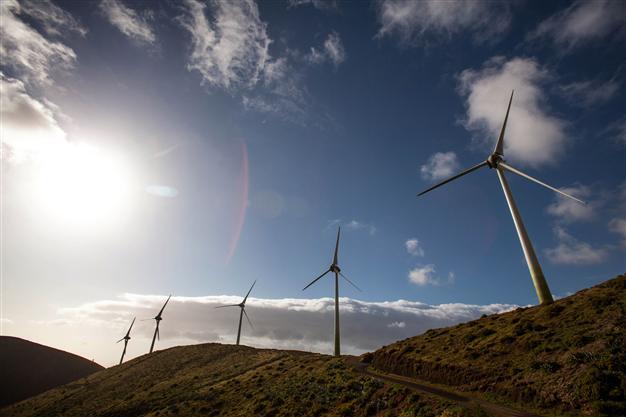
{"x": 162, "y": 191}
{"x": 26, "y": 50}
{"x": 618, "y": 226}
{"x": 353, "y": 225}
{"x": 231, "y": 50}
{"x": 278, "y": 323}
{"x": 413, "y": 247}
{"x": 332, "y": 51}
{"x": 29, "y": 127}
{"x": 439, "y": 166}
{"x": 571, "y": 251}
{"x": 423, "y": 275}
{"x": 318, "y": 4}
{"x": 533, "y": 136}
{"x": 617, "y": 131}
{"x": 413, "y": 20}
{"x": 568, "y": 210}
{"x": 128, "y": 21}
{"x": 590, "y": 92}
{"x": 581, "y": 22}
{"x": 55, "y": 21}
{"x": 356, "y": 225}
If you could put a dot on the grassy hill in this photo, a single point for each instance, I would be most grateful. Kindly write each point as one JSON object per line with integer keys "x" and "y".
{"x": 568, "y": 357}
{"x": 30, "y": 368}
{"x": 226, "y": 380}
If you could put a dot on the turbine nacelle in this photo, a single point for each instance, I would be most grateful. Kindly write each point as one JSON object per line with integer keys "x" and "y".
{"x": 494, "y": 159}
{"x": 335, "y": 268}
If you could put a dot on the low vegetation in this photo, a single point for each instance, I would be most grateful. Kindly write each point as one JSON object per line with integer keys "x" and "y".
{"x": 565, "y": 358}
{"x": 226, "y": 380}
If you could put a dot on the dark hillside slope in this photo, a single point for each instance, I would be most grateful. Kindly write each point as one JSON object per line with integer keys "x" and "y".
{"x": 29, "y": 368}
{"x": 568, "y": 356}
{"x": 227, "y": 380}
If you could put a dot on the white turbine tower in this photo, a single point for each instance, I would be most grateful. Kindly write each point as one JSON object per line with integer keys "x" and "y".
{"x": 334, "y": 267}
{"x": 496, "y": 161}
{"x": 242, "y": 306}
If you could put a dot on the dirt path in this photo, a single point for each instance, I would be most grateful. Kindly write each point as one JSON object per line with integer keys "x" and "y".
{"x": 492, "y": 409}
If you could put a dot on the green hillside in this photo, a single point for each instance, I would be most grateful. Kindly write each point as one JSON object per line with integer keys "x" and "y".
{"x": 226, "y": 380}
{"x": 568, "y": 357}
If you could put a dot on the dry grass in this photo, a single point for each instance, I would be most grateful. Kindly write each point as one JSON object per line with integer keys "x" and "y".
{"x": 568, "y": 357}
{"x": 224, "y": 380}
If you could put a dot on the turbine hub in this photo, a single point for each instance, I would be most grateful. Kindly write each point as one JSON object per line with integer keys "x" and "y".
{"x": 494, "y": 159}
{"x": 335, "y": 268}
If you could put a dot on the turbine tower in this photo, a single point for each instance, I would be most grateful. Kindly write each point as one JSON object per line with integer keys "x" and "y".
{"x": 334, "y": 268}
{"x": 242, "y": 306}
{"x": 496, "y": 161}
{"x": 126, "y": 339}
{"x": 158, "y": 319}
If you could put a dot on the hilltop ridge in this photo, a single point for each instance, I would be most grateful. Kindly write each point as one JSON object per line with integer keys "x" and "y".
{"x": 569, "y": 356}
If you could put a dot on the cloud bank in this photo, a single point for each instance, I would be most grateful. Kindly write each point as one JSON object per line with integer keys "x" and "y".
{"x": 288, "y": 323}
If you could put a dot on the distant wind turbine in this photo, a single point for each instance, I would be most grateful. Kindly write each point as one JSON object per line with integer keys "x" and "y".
{"x": 242, "y": 306}
{"x": 126, "y": 339}
{"x": 334, "y": 267}
{"x": 496, "y": 161}
{"x": 158, "y": 319}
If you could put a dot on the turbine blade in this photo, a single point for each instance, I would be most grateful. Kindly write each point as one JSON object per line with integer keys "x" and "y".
{"x": 352, "y": 283}
{"x": 315, "y": 280}
{"x": 131, "y": 326}
{"x": 163, "y": 308}
{"x": 249, "y": 291}
{"x": 335, "y": 258}
{"x": 467, "y": 171}
{"x": 247, "y": 318}
{"x": 228, "y": 305}
{"x": 120, "y": 340}
{"x": 528, "y": 177}
{"x": 499, "y": 149}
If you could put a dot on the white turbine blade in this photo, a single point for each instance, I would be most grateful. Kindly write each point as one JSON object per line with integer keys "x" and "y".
{"x": 352, "y": 283}
{"x": 528, "y": 177}
{"x": 315, "y": 280}
{"x": 228, "y": 305}
{"x": 335, "y": 258}
{"x": 499, "y": 149}
{"x": 163, "y": 308}
{"x": 249, "y": 291}
{"x": 247, "y": 318}
{"x": 467, "y": 171}
{"x": 131, "y": 326}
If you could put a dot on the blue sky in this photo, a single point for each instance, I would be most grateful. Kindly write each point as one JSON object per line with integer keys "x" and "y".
{"x": 190, "y": 148}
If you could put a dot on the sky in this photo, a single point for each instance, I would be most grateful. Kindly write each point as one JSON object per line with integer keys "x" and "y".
{"x": 190, "y": 148}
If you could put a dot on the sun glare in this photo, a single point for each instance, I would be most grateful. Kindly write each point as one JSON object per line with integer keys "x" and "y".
{"x": 82, "y": 186}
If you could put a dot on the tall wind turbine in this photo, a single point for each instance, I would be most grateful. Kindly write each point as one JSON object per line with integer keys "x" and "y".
{"x": 334, "y": 268}
{"x": 158, "y": 319}
{"x": 126, "y": 339}
{"x": 496, "y": 161}
{"x": 242, "y": 306}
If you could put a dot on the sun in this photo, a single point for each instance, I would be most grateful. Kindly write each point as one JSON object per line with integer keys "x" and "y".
{"x": 83, "y": 187}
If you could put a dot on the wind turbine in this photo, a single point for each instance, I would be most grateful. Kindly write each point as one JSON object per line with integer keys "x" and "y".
{"x": 158, "y": 319}
{"x": 241, "y": 305}
{"x": 496, "y": 161}
{"x": 334, "y": 268}
{"x": 126, "y": 339}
